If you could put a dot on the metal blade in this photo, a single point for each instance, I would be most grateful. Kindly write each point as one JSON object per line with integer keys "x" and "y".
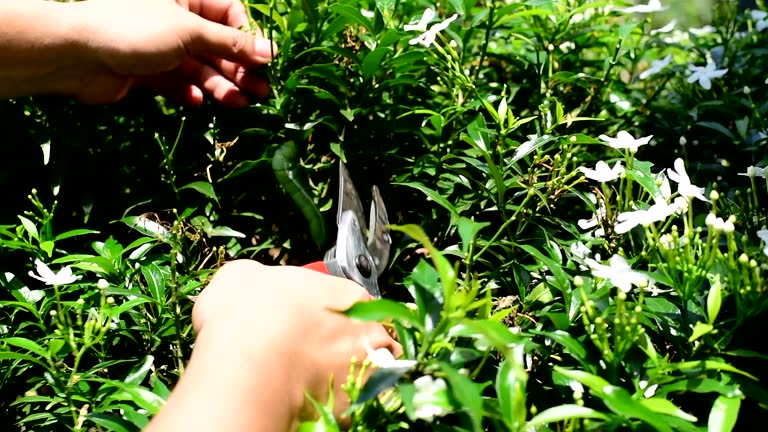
{"x": 349, "y": 199}
{"x": 378, "y": 232}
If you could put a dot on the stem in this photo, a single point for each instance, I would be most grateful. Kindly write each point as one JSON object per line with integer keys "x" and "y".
{"x": 504, "y": 225}
{"x": 484, "y": 49}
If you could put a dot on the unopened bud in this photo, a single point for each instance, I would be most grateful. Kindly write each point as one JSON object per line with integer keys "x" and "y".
{"x": 682, "y": 140}
{"x": 110, "y": 300}
{"x": 102, "y": 284}
{"x": 747, "y": 90}
{"x": 714, "y": 195}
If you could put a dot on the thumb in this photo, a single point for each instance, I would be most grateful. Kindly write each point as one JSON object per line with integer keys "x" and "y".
{"x": 213, "y": 40}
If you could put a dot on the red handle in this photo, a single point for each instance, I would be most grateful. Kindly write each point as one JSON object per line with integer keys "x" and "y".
{"x": 318, "y": 266}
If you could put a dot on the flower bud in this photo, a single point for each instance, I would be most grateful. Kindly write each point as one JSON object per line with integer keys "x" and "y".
{"x": 743, "y": 258}
{"x": 53, "y": 313}
{"x": 578, "y": 281}
{"x": 747, "y": 90}
{"x": 714, "y": 195}
{"x": 728, "y": 226}
{"x": 682, "y": 140}
{"x": 102, "y": 284}
{"x": 110, "y": 300}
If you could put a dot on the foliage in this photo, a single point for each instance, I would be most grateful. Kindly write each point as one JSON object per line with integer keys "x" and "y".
{"x": 580, "y": 224}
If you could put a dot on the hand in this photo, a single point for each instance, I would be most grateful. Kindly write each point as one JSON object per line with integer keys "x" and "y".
{"x": 264, "y": 336}
{"x": 180, "y": 49}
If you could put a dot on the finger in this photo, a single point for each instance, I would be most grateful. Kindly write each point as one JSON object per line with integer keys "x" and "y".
{"x": 228, "y": 12}
{"x": 217, "y": 41}
{"x": 213, "y": 83}
{"x": 173, "y": 87}
{"x": 250, "y": 81}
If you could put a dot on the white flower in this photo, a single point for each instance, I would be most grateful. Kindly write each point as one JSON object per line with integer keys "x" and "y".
{"x": 754, "y": 171}
{"x": 761, "y": 19}
{"x": 684, "y": 186}
{"x": 580, "y": 250}
{"x": 681, "y": 203}
{"x": 701, "y": 31}
{"x": 428, "y": 37}
{"x": 599, "y": 215}
{"x": 368, "y": 14}
{"x": 655, "y": 213}
{"x": 383, "y": 358}
{"x": 429, "y": 15}
{"x": 656, "y": 67}
{"x": 652, "y": 6}
{"x": 63, "y": 277}
{"x": 704, "y": 75}
{"x": 624, "y": 140}
{"x": 666, "y": 29}
{"x": 763, "y": 234}
{"x": 602, "y": 172}
{"x": 619, "y": 273}
{"x": 714, "y": 222}
{"x": 431, "y": 398}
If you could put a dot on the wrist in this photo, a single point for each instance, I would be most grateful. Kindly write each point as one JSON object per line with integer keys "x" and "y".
{"x": 231, "y": 382}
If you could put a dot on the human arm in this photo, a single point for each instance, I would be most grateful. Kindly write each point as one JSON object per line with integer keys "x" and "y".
{"x": 265, "y": 335}
{"x": 98, "y": 50}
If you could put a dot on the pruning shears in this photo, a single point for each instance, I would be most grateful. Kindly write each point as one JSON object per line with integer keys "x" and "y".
{"x": 360, "y": 253}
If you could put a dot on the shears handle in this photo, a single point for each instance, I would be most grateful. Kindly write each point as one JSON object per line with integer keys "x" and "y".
{"x": 318, "y": 266}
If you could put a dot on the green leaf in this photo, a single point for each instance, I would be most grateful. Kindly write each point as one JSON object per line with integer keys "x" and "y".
{"x": 443, "y": 266}
{"x": 718, "y": 127}
{"x": 112, "y": 422}
{"x": 27, "y": 345}
{"x": 30, "y": 227}
{"x": 663, "y": 406}
{"x": 245, "y": 167}
{"x": 468, "y": 230}
{"x": 47, "y": 247}
{"x": 511, "y": 380}
{"x": 564, "y": 284}
{"x": 380, "y": 310}
{"x": 353, "y": 14}
{"x": 724, "y": 413}
{"x": 697, "y": 366}
{"x": 74, "y": 233}
{"x": 155, "y": 282}
{"x": 386, "y": 7}
{"x": 699, "y": 330}
{"x": 372, "y": 61}
{"x": 467, "y": 393}
{"x": 380, "y": 380}
{"x": 571, "y": 345}
{"x": 204, "y": 188}
{"x": 54, "y": 346}
{"x": 272, "y": 13}
{"x": 432, "y": 195}
{"x": 641, "y": 173}
{"x": 136, "y": 376}
{"x": 565, "y": 412}
{"x": 424, "y": 286}
{"x": 616, "y": 398}
{"x": 714, "y": 300}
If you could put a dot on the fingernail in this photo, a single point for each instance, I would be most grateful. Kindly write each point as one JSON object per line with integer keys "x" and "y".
{"x": 265, "y": 48}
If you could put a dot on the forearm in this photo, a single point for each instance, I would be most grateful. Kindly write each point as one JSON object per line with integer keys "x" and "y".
{"x": 40, "y": 47}
{"x": 224, "y": 389}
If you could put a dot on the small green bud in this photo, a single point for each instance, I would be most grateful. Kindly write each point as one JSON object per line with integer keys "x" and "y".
{"x": 53, "y": 313}
{"x": 743, "y": 258}
{"x": 622, "y": 295}
{"x": 102, "y": 284}
{"x": 578, "y": 281}
{"x": 638, "y": 309}
{"x": 747, "y": 90}
{"x": 714, "y": 195}
{"x": 682, "y": 140}
{"x": 110, "y": 300}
